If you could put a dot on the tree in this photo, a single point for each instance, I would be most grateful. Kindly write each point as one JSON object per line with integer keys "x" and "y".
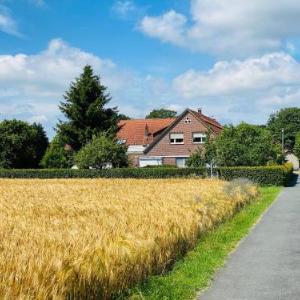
{"x": 246, "y": 145}
{"x": 161, "y": 114}
{"x": 287, "y": 119}
{"x": 56, "y": 156}
{"x": 196, "y": 159}
{"x": 102, "y": 150}
{"x": 85, "y": 110}
{"x": 40, "y": 143}
{"x": 22, "y": 145}
{"x": 203, "y": 156}
{"x": 297, "y": 145}
{"x": 123, "y": 117}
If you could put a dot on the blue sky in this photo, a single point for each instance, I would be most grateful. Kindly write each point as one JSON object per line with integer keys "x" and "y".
{"x": 236, "y": 60}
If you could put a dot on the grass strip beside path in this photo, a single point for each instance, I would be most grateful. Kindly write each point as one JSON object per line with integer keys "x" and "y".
{"x": 195, "y": 271}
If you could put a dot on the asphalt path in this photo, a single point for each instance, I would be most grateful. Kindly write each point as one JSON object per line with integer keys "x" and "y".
{"x": 266, "y": 264}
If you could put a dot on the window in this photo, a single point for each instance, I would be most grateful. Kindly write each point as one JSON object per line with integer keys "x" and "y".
{"x": 199, "y": 138}
{"x": 188, "y": 120}
{"x": 176, "y": 138}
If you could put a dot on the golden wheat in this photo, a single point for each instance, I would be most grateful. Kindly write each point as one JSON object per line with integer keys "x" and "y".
{"x": 93, "y": 238}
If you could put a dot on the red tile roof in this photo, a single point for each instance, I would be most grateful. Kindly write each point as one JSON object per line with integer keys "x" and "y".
{"x": 210, "y": 122}
{"x": 141, "y": 132}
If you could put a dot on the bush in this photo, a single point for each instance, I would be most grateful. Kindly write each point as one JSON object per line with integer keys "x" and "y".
{"x": 103, "y": 173}
{"x": 101, "y": 151}
{"x": 269, "y": 175}
{"x": 56, "y": 157}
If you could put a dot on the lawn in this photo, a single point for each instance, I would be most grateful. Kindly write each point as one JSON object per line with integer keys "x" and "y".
{"x": 195, "y": 272}
{"x": 94, "y": 238}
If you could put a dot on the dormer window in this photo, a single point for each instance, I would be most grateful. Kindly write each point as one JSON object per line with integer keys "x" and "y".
{"x": 199, "y": 138}
{"x": 176, "y": 138}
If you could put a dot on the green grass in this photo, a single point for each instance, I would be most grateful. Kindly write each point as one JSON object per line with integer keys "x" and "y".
{"x": 195, "y": 271}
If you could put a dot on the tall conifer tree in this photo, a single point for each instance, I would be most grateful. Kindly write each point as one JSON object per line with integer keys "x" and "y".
{"x": 85, "y": 111}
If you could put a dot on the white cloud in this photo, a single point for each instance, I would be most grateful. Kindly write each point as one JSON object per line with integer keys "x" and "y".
{"x": 168, "y": 28}
{"x": 7, "y": 23}
{"x": 229, "y": 27}
{"x": 123, "y": 8}
{"x": 31, "y": 86}
{"x": 247, "y": 89}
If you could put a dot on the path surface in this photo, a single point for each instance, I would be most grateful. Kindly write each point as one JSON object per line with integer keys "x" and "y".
{"x": 266, "y": 265}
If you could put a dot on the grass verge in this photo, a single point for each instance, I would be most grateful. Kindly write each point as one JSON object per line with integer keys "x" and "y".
{"x": 195, "y": 271}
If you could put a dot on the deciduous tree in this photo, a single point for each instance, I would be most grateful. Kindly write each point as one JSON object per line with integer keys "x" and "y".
{"x": 161, "y": 114}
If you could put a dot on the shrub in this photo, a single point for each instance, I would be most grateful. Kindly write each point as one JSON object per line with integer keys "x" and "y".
{"x": 269, "y": 175}
{"x": 196, "y": 159}
{"x": 101, "y": 151}
{"x": 56, "y": 157}
{"x": 103, "y": 173}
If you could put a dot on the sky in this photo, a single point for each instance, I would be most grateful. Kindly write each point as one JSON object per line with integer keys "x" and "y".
{"x": 237, "y": 60}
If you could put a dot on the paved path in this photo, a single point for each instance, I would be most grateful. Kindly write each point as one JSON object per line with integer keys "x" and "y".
{"x": 266, "y": 265}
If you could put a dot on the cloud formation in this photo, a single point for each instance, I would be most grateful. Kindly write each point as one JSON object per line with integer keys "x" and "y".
{"x": 228, "y": 27}
{"x": 247, "y": 89}
{"x": 7, "y": 23}
{"x": 31, "y": 86}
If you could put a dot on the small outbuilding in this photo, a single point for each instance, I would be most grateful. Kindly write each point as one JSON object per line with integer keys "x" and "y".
{"x": 293, "y": 159}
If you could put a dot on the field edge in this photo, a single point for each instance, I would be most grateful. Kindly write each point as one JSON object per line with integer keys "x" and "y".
{"x": 194, "y": 272}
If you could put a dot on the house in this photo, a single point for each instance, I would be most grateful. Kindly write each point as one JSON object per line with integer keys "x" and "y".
{"x": 166, "y": 141}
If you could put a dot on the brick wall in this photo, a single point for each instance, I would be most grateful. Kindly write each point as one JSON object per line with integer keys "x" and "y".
{"x": 169, "y": 161}
{"x": 164, "y": 148}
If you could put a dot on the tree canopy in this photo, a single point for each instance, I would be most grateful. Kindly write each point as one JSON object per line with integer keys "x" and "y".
{"x": 287, "y": 119}
{"x": 161, "y": 114}
{"x": 102, "y": 150}
{"x": 246, "y": 145}
{"x": 21, "y": 145}
{"x": 85, "y": 111}
{"x": 297, "y": 145}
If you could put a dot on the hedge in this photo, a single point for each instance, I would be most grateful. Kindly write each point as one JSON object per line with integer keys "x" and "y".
{"x": 269, "y": 175}
{"x": 104, "y": 173}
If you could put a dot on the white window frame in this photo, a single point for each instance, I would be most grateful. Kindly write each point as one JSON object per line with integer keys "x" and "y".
{"x": 176, "y": 137}
{"x": 200, "y": 135}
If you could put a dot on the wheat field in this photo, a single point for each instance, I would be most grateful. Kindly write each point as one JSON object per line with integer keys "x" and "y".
{"x": 93, "y": 238}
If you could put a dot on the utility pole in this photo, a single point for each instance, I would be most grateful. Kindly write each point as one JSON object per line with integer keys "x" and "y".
{"x": 282, "y": 140}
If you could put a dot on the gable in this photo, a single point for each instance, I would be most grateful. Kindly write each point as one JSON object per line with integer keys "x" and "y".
{"x": 188, "y": 123}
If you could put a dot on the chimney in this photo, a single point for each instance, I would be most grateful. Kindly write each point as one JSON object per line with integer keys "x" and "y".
{"x": 200, "y": 110}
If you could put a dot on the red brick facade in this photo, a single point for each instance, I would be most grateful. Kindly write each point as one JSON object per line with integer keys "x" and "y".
{"x": 161, "y": 150}
{"x": 188, "y": 125}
